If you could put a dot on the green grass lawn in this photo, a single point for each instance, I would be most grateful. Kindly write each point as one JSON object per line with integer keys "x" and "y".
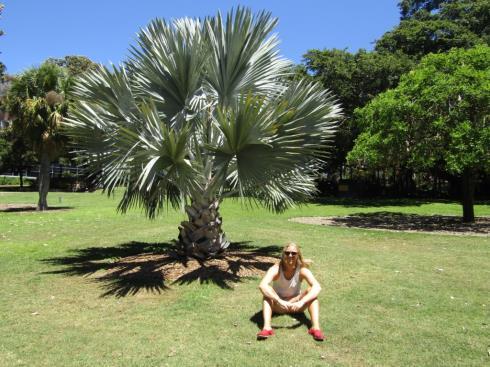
{"x": 388, "y": 299}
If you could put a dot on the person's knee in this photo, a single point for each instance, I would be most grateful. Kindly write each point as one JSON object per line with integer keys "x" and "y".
{"x": 310, "y": 302}
{"x": 267, "y": 301}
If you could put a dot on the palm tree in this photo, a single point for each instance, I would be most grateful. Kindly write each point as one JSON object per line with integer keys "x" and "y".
{"x": 36, "y": 100}
{"x": 203, "y": 110}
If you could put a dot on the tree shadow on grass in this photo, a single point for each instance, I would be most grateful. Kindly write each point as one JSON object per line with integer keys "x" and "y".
{"x": 375, "y": 202}
{"x": 405, "y": 222}
{"x": 132, "y": 267}
{"x": 415, "y": 222}
{"x": 300, "y": 317}
{"x": 10, "y": 208}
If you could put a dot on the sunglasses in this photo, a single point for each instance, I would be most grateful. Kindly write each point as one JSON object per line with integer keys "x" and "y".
{"x": 290, "y": 253}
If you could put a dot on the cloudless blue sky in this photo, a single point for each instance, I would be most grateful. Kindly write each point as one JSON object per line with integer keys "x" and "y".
{"x": 103, "y": 29}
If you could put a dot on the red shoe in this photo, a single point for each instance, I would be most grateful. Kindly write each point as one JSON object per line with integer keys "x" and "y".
{"x": 317, "y": 334}
{"x": 264, "y": 334}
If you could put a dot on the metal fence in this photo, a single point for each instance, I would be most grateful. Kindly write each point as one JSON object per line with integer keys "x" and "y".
{"x": 56, "y": 170}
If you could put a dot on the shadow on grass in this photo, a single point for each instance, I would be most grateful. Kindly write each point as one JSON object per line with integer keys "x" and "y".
{"x": 414, "y": 222}
{"x": 132, "y": 267}
{"x": 376, "y": 202}
{"x": 405, "y": 222}
{"x": 300, "y": 317}
{"x": 9, "y": 208}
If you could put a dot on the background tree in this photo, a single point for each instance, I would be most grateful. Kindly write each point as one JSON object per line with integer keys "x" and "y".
{"x": 471, "y": 14}
{"x": 419, "y": 37}
{"x": 409, "y": 8}
{"x": 203, "y": 110}
{"x": 355, "y": 78}
{"x": 437, "y": 26}
{"x": 4, "y": 148}
{"x": 438, "y": 116}
{"x": 75, "y": 66}
{"x": 36, "y": 102}
{"x": 426, "y": 26}
{"x": 15, "y": 153}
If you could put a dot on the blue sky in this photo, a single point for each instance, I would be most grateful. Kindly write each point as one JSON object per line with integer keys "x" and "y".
{"x": 103, "y": 30}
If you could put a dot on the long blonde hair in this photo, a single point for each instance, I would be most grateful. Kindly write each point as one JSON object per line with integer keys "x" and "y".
{"x": 304, "y": 263}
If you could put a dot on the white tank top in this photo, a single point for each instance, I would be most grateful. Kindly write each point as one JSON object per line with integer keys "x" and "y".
{"x": 287, "y": 288}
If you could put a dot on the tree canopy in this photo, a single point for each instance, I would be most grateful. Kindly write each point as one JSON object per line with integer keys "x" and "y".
{"x": 409, "y": 8}
{"x": 437, "y": 116}
{"x": 419, "y": 37}
{"x": 437, "y": 26}
{"x": 355, "y": 78}
{"x": 75, "y": 65}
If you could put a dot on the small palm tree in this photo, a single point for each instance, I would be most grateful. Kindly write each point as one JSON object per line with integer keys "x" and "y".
{"x": 204, "y": 109}
{"x": 36, "y": 101}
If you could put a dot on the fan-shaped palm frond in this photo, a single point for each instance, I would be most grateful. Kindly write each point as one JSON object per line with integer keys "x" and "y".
{"x": 168, "y": 66}
{"x": 265, "y": 142}
{"x": 243, "y": 59}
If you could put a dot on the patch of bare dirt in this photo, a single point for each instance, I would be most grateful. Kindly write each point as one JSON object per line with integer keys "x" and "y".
{"x": 231, "y": 266}
{"x": 387, "y": 221}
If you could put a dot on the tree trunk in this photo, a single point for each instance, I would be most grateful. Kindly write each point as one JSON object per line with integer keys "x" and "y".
{"x": 409, "y": 182}
{"x": 468, "y": 196}
{"x": 43, "y": 181}
{"x": 201, "y": 236}
{"x": 21, "y": 178}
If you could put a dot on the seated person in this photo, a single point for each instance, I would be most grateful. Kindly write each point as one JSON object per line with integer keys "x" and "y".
{"x": 285, "y": 295}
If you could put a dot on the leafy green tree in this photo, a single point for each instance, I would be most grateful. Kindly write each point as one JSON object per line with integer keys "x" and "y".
{"x": 437, "y": 26}
{"x": 74, "y": 65}
{"x": 355, "y": 78}
{"x": 471, "y": 14}
{"x": 419, "y": 37}
{"x": 36, "y": 101}
{"x": 14, "y": 152}
{"x": 204, "y": 109}
{"x": 409, "y": 8}
{"x": 4, "y": 148}
{"x": 437, "y": 117}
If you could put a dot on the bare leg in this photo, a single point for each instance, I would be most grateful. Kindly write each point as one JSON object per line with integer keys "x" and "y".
{"x": 267, "y": 314}
{"x": 314, "y": 310}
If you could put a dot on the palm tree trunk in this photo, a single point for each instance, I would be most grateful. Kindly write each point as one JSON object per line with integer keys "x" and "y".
{"x": 43, "y": 180}
{"x": 201, "y": 236}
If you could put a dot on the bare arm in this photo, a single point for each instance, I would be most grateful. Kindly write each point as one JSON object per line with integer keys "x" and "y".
{"x": 314, "y": 291}
{"x": 265, "y": 287}
{"x": 268, "y": 291}
{"x": 315, "y": 286}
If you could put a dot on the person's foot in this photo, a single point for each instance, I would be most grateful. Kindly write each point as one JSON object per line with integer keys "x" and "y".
{"x": 264, "y": 334}
{"x": 317, "y": 334}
